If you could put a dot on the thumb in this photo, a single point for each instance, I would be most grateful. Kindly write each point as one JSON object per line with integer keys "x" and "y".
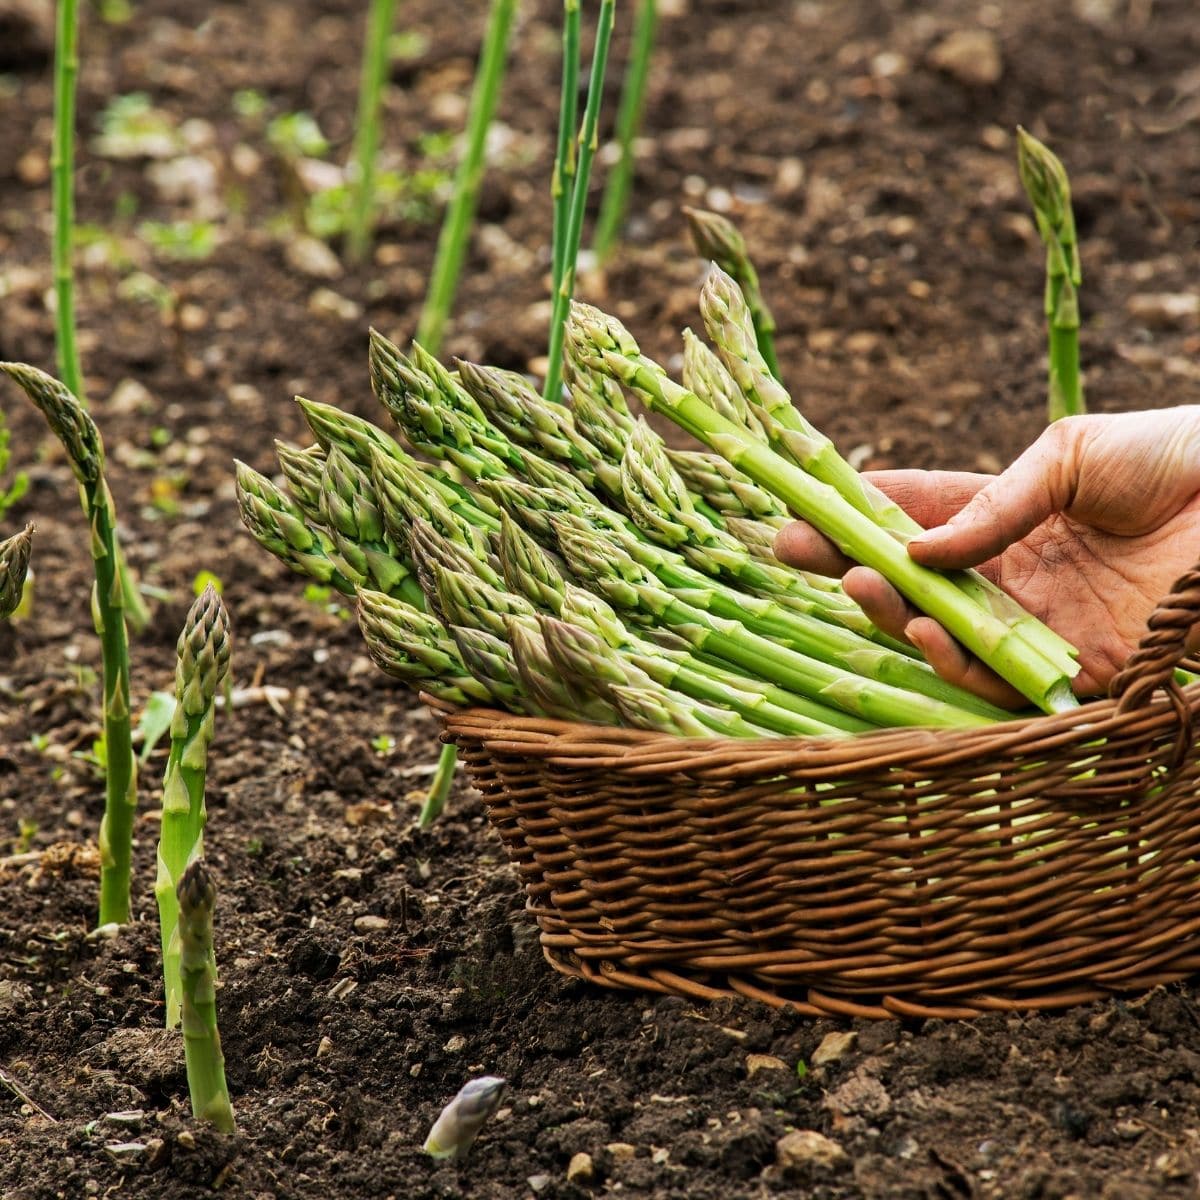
{"x": 1040, "y": 483}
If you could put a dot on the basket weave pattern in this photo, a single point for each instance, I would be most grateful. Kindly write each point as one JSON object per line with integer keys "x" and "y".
{"x": 1034, "y": 864}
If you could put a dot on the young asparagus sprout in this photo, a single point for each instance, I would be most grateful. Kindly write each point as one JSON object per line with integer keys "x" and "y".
{"x": 197, "y": 897}
{"x": 202, "y": 664}
{"x": 1045, "y": 181}
{"x": 452, "y": 242}
{"x": 14, "y": 565}
{"x": 459, "y": 1123}
{"x": 719, "y": 240}
{"x": 77, "y": 431}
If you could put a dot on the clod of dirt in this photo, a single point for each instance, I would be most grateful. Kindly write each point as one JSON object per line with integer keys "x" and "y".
{"x": 806, "y": 1148}
{"x": 972, "y": 56}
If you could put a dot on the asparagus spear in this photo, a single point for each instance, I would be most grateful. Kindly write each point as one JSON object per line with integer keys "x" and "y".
{"x": 1049, "y": 191}
{"x": 350, "y": 511}
{"x": 413, "y": 646}
{"x": 490, "y": 661}
{"x": 304, "y": 471}
{"x": 604, "y": 344}
{"x": 77, "y": 431}
{"x": 543, "y": 680}
{"x": 14, "y": 565}
{"x": 459, "y": 1123}
{"x": 728, "y": 322}
{"x": 720, "y": 241}
{"x": 202, "y": 663}
{"x": 276, "y": 522}
{"x": 197, "y": 897}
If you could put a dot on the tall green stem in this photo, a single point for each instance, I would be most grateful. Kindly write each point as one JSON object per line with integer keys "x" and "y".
{"x": 439, "y": 787}
{"x": 452, "y": 242}
{"x": 366, "y": 132}
{"x": 587, "y": 152}
{"x": 62, "y": 170}
{"x": 564, "y": 160}
{"x": 85, "y": 450}
{"x": 629, "y": 119}
{"x": 197, "y": 897}
{"x": 202, "y": 662}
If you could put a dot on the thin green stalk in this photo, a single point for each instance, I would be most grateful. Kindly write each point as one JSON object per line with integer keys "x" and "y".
{"x": 1049, "y": 190}
{"x": 366, "y": 125}
{"x": 452, "y": 242}
{"x": 720, "y": 241}
{"x": 629, "y": 119}
{"x": 606, "y": 345}
{"x": 78, "y": 433}
{"x": 563, "y": 178}
{"x": 14, "y": 566}
{"x": 202, "y": 664}
{"x": 197, "y": 897}
{"x": 439, "y": 787}
{"x": 62, "y": 172}
{"x": 62, "y": 177}
{"x": 588, "y": 142}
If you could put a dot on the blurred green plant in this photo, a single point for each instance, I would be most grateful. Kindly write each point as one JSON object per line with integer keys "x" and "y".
{"x": 180, "y": 241}
{"x": 11, "y": 492}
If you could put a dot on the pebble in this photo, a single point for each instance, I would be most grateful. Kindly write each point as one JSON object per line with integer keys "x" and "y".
{"x": 370, "y": 924}
{"x": 808, "y": 1148}
{"x": 311, "y": 257}
{"x": 763, "y": 1062}
{"x": 324, "y": 1046}
{"x": 1164, "y": 308}
{"x": 456, "y": 1044}
{"x": 581, "y": 1169}
{"x": 130, "y": 396}
{"x": 972, "y": 56}
{"x": 834, "y": 1046}
{"x": 189, "y": 179}
{"x": 621, "y": 1151}
{"x": 326, "y": 302}
{"x": 539, "y": 1183}
{"x": 860, "y": 1095}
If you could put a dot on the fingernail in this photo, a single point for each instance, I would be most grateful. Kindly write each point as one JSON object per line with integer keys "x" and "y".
{"x": 929, "y": 535}
{"x": 911, "y": 636}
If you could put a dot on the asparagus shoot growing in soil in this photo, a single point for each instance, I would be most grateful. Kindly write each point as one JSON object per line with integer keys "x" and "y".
{"x": 615, "y": 200}
{"x": 456, "y": 226}
{"x": 719, "y": 240}
{"x": 366, "y": 126}
{"x": 573, "y": 235}
{"x": 1045, "y": 181}
{"x": 202, "y": 664}
{"x": 71, "y": 424}
{"x": 458, "y": 1125}
{"x": 197, "y": 897}
{"x": 14, "y": 565}
{"x": 562, "y": 181}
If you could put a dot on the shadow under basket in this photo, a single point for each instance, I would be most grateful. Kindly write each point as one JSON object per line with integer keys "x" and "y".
{"x": 1034, "y": 864}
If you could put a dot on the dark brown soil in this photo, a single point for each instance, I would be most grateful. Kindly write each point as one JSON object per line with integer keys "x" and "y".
{"x": 881, "y": 200}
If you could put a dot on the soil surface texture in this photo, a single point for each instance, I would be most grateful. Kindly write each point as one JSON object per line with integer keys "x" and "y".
{"x": 369, "y": 969}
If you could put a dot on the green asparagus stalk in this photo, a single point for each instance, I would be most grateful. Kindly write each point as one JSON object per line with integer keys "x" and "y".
{"x": 350, "y": 511}
{"x": 615, "y": 200}
{"x": 304, "y": 471}
{"x": 1045, "y": 181}
{"x": 490, "y": 661}
{"x": 728, "y": 322}
{"x": 415, "y": 647}
{"x": 452, "y": 242}
{"x": 62, "y": 174}
{"x": 717, "y": 239}
{"x": 592, "y": 667}
{"x": 855, "y": 684}
{"x": 570, "y": 699}
{"x": 563, "y": 179}
{"x": 588, "y": 142}
{"x": 77, "y": 431}
{"x": 604, "y": 344}
{"x": 705, "y": 374}
{"x": 276, "y": 522}
{"x": 197, "y": 897}
{"x": 202, "y": 663}
{"x": 14, "y": 565}
{"x": 380, "y": 18}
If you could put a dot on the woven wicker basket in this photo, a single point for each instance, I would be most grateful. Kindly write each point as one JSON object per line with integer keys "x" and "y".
{"x": 931, "y": 873}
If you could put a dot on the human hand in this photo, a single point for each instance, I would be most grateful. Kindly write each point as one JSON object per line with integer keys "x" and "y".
{"x": 1088, "y": 529}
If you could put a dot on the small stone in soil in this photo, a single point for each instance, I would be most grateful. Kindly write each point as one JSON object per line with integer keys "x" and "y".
{"x": 808, "y": 1148}
{"x": 580, "y": 1169}
{"x": 834, "y": 1046}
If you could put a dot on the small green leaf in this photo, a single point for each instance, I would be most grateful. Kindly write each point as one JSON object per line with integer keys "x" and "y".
{"x": 155, "y": 721}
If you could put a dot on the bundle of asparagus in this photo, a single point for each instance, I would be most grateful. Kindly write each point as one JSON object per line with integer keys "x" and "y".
{"x": 557, "y": 559}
